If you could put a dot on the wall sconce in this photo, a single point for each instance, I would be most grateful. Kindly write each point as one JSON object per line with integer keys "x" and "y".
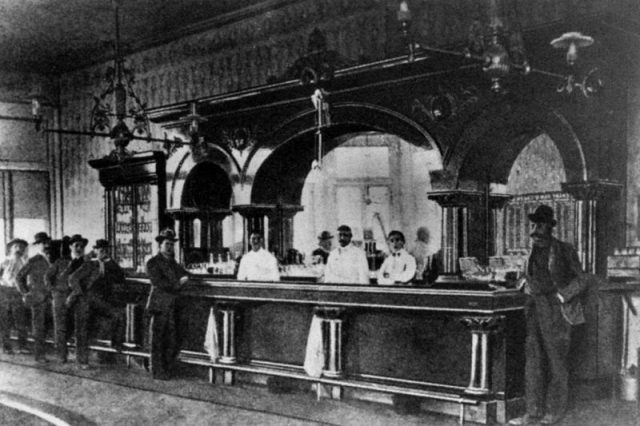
{"x": 36, "y": 113}
{"x": 194, "y": 119}
{"x": 503, "y": 52}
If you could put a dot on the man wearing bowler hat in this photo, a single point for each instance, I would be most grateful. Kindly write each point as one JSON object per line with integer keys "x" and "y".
{"x": 31, "y": 280}
{"x": 57, "y": 279}
{"x": 91, "y": 295}
{"x": 325, "y": 241}
{"x": 553, "y": 283}
{"x": 167, "y": 278}
{"x": 11, "y": 304}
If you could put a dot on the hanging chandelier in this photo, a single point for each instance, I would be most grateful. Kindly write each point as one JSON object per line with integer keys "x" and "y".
{"x": 118, "y": 113}
{"x": 109, "y": 118}
{"x": 501, "y": 51}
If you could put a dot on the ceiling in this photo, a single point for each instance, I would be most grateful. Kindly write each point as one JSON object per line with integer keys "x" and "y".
{"x": 53, "y": 36}
{"x": 50, "y": 36}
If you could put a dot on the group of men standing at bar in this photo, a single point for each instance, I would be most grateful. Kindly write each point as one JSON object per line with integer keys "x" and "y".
{"x": 553, "y": 282}
{"x": 73, "y": 286}
{"x": 79, "y": 287}
{"x": 348, "y": 263}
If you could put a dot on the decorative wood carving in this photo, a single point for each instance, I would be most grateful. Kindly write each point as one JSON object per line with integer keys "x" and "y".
{"x": 239, "y": 138}
{"x": 446, "y": 105}
{"x": 318, "y": 65}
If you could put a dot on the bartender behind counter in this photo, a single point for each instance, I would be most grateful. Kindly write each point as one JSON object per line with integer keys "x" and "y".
{"x": 258, "y": 264}
{"x": 347, "y": 264}
{"x": 400, "y": 266}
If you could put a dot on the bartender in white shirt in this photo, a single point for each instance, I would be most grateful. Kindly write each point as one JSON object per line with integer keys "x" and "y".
{"x": 346, "y": 264}
{"x": 400, "y": 266}
{"x": 258, "y": 264}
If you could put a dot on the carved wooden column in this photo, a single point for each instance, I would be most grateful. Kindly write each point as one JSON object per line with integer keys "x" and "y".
{"x": 281, "y": 228}
{"x": 460, "y": 208}
{"x": 593, "y": 199}
{"x": 332, "y": 320}
{"x": 209, "y": 240}
{"x": 228, "y": 312}
{"x": 130, "y": 341}
{"x": 497, "y": 203}
{"x": 481, "y": 327}
{"x": 254, "y": 219}
{"x": 273, "y": 221}
{"x": 455, "y": 206}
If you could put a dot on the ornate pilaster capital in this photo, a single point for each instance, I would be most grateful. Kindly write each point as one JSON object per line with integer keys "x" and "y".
{"x": 498, "y": 201}
{"x": 329, "y": 312}
{"x": 269, "y": 210}
{"x": 482, "y": 323}
{"x": 467, "y": 198}
{"x": 227, "y": 306}
{"x": 592, "y": 189}
{"x": 456, "y": 197}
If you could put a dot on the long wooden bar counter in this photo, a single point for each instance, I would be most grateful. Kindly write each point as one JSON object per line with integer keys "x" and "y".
{"x": 463, "y": 344}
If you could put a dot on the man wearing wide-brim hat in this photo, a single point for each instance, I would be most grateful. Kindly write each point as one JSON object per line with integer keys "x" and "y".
{"x": 36, "y": 294}
{"x": 167, "y": 278}
{"x": 91, "y": 296}
{"x": 553, "y": 283}
{"x": 11, "y": 304}
{"x": 57, "y": 279}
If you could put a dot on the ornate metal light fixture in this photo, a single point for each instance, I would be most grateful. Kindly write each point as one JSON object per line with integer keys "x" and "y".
{"x": 501, "y": 51}
{"x": 323, "y": 119}
{"x": 120, "y": 82}
{"x": 117, "y": 105}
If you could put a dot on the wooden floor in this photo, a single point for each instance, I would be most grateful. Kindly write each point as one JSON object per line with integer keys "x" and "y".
{"x": 115, "y": 394}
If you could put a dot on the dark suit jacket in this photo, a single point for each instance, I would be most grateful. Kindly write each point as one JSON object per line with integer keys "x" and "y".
{"x": 165, "y": 277}
{"x": 87, "y": 280}
{"x": 57, "y": 277}
{"x": 568, "y": 279}
{"x": 31, "y": 279}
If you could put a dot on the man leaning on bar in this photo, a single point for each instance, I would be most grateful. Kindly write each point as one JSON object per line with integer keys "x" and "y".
{"x": 91, "y": 296}
{"x": 167, "y": 279}
{"x": 553, "y": 284}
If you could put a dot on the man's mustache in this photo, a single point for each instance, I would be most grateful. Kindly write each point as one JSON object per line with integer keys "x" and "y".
{"x": 539, "y": 235}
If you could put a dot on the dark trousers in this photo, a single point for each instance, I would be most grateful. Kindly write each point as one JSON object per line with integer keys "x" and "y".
{"x": 86, "y": 308}
{"x": 38, "y": 317}
{"x": 163, "y": 343}
{"x": 60, "y": 318}
{"x": 12, "y": 307}
{"x": 547, "y": 346}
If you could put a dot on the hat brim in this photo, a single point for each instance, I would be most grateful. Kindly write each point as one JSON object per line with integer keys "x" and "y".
{"x": 541, "y": 219}
{"x": 160, "y": 239}
{"x": 325, "y": 237}
{"x": 84, "y": 241}
{"x": 17, "y": 241}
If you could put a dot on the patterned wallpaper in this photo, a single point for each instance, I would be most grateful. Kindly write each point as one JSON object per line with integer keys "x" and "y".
{"x": 246, "y": 53}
